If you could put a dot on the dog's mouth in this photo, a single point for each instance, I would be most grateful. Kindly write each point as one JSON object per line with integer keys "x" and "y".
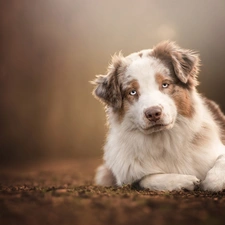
{"x": 157, "y": 127}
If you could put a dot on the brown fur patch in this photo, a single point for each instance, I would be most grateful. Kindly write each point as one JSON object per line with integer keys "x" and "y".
{"x": 180, "y": 94}
{"x": 182, "y": 100}
{"x": 218, "y": 116}
{"x": 160, "y": 79}
{"x": 140, "y": 54}
{"x": 127, "y": 98}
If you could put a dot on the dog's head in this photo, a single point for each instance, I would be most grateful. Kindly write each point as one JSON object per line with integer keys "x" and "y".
{"x": 148, "y": 89}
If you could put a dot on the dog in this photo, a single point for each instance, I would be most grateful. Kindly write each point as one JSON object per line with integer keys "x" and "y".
{"x": 163, "y": 135}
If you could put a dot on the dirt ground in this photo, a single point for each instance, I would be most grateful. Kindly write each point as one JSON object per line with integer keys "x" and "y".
{"x": 61, "y": 193}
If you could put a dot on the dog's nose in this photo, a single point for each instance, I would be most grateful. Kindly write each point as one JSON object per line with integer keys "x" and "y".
{"x": 153, "y": 113}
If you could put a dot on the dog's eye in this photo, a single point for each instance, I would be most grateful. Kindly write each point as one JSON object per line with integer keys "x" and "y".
{"x": 165, "y": 85}
{"x": 133, "y": 92}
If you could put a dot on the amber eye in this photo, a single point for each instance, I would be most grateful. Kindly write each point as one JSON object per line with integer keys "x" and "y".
{"x": 133, "y": 92}
{"x": 165, "y": 85}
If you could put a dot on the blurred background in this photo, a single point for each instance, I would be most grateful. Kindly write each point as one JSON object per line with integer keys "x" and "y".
{"x": 51, "y": 49}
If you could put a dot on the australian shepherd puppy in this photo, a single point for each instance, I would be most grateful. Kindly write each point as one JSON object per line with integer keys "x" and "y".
{"x": 163, "y": 134}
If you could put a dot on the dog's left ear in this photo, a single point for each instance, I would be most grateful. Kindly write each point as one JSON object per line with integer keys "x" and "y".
{"x": 185, "y": 62}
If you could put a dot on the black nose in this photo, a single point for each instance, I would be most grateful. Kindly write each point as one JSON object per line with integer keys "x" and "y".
{"x": 153, "y": 113}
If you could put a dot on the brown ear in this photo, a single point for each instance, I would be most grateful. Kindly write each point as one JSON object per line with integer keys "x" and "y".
{"x": 185, "y": 62}
{"x": 108, "y": 86}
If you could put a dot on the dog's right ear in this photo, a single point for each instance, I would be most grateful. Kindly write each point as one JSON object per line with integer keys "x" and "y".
{"x": 108, "y": 88}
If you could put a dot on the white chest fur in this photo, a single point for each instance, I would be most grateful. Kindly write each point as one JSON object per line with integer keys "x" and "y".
{"x": 131, "y": 154}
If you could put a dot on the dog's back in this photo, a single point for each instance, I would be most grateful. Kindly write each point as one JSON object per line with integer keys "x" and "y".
{"x": 218, "y": 116}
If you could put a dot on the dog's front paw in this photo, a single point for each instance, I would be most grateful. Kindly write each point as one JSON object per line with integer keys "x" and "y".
{"x": 215, "y": 179}
{"x": 213, "y": 182}
{"x": 188, "y": 182}
{"x": 170, "y": 182}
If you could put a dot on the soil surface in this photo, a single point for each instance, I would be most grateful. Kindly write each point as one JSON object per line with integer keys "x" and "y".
{"x": 61, "y": 193}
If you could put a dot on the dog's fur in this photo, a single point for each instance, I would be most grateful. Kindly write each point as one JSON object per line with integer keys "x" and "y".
{"x": 162, "y": 133}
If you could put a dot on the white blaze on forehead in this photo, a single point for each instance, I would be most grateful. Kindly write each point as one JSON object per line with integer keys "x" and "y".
{"x": 144, "y": 71}
{"x": 143, "y": 53}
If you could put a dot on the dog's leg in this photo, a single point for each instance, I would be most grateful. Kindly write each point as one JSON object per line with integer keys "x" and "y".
{"x": 104, "y": 176}
{"x": 169, "y": 182}
{"x": 215, "y": 178}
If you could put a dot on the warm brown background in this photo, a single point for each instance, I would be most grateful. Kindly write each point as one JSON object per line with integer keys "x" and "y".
{"x": 50, "y": 49}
